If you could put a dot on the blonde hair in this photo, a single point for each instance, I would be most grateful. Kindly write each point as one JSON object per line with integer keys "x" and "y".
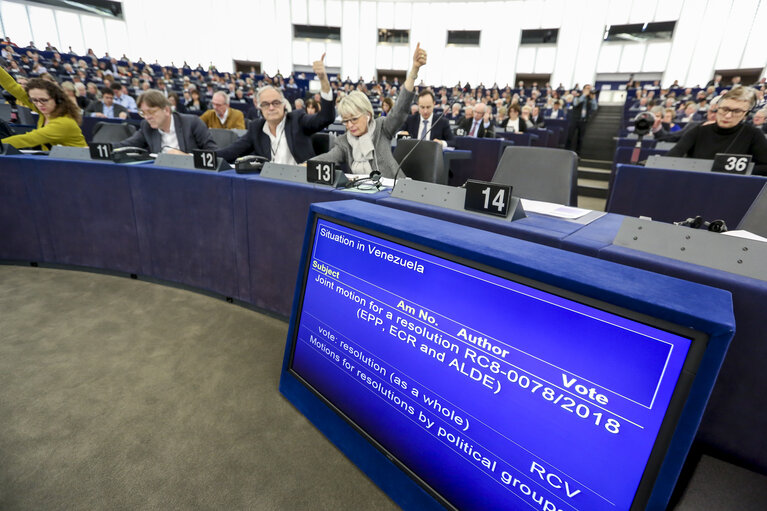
{"x": 741, "y": 94}
{"x": 355, "y": 103}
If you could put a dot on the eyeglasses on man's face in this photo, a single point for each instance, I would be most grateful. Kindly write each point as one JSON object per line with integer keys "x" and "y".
{"x": 273, "y": 104}
{"x": 149, "y": 112}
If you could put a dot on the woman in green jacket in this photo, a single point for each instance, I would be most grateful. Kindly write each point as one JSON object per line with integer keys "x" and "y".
{"x": 59, "y": 122}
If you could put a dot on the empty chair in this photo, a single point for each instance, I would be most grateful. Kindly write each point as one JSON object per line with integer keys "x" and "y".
{"x": 223, "y": 137}
{"x": 112, "y": 132}
{"x": 5, "y": 112}
{"x": 425, "y": 163}
{"x": 320, "y": 142}
{"x": 26, "y": 116}
{"x": 540, "y": 173}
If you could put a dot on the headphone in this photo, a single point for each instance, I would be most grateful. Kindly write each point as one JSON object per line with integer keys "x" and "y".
{"x": 699, "y": 223}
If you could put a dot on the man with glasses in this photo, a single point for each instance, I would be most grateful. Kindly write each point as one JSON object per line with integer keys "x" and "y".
{"x": 729, "y": 134}
{"x": 221, "y": 116}
{"x": 163, "y": 131}
{"x": 280, "y": 135}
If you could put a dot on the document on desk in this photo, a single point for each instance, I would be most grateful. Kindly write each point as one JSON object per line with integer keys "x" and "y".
{"x": 551, "y": 209}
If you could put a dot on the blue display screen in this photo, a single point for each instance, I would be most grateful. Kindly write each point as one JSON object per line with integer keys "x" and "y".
{"x": 495, "y": 394}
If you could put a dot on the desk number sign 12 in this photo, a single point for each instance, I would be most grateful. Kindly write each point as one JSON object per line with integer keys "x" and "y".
{"x": 204, "y": 159}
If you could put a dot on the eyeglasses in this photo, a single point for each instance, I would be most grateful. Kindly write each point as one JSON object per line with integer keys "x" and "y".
{"x": 353, "y": 120}
{"x": 40, "y": 101}
{"x": 734, "y": 111}
{"x": 148, "y": 113}
{"x": 274, "y": 104}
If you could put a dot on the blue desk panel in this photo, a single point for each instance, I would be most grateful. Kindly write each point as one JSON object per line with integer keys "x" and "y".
{"x": 674, "y": 195}
{"x": 185, "y": 227}
{"x": 735, "y": 421}
{"x": 19, "y": 238}
{"x": 541, "y": 229}
{"x": 241, "y": 236}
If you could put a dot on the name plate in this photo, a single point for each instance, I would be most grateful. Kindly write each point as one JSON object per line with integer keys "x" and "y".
{"x": 731, "y": 163}
{"x": 100, "y": 150}
{"x": 321, "y": 172}
{"x": 485, "y": 197}
{"x": 205, "y": 159}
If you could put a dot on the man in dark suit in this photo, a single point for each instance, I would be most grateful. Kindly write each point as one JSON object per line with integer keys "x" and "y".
{"x": 479, "y": 125}
{"x": 418, "y": 125}
{"x": 279, "y": 135}
{"x": 163, "y": 131}
{"x": 106, "y": 108}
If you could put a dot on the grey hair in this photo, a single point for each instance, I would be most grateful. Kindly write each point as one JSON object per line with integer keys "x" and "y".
{"x": 223, "y": 95}
{"x": 271, "y": 87}
{"x": 355, "y": 103}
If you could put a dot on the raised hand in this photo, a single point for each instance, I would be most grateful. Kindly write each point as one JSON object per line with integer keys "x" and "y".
{"x": 319, "y": 67}
{"x": 419, "y": 57}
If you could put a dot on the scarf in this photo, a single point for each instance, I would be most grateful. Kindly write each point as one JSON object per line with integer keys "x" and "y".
{"x": 362, "y": 150}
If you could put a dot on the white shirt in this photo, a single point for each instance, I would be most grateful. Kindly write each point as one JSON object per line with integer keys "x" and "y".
{"x": 223, "y": 119}
{"x": 513, "y": 126}
{"x": 280, "y": 150}
{"x": 422, "y": 129}
{"x": 169, "y": 139}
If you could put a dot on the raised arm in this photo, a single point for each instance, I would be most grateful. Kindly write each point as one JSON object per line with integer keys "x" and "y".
{"x": 419, "y": 59}
{"x": 8, "y": 83}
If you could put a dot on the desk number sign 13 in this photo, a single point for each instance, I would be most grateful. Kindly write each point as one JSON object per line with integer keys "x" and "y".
{"x": 321, "y": 172}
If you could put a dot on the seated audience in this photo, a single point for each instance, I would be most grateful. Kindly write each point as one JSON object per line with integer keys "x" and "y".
{"x": 71, "y": 92}
{"x": 164, "y": 131}
{"x": 515, "y": 123}
{"x": 312, "y": 107}
{"x": 420, "y": 124}
{"x": 280, "y": 135}
{"x": 730, "y": 134}
{"x": 175, "y": 103}
{"x": 479, "y": 124}
{"x": 221, "y": 116}
{"x": 106, "y": 108}
{"x": 557, "y": 112}
{"x": 195, "y": 104}
{"x": 59, "y": 121}
{"x": 122, "y": 97}
{"x": 758, "y": 120}
{"x": 366, "y": 145}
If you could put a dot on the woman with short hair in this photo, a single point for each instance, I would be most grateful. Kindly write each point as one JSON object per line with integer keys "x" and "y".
{"x": 729, "y": 134}
{"x": 366, "y": 145}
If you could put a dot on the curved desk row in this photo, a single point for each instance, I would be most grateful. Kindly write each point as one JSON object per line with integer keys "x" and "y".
{"x": 241, "y": 237}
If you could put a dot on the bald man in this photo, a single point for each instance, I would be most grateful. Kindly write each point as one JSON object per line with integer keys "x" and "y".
{"x": 479, "y": 124}
{"x": 221, "y": 116}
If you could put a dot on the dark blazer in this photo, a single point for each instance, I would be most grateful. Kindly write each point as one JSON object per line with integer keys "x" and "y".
{"x": 97, "y": 107}
{"x": 439, "y": 130}
{"x": 299, "y": 127}
{"x": 522, "y": 125}
{"x": 481, "y": 131}
{"x": 190, "y": 130}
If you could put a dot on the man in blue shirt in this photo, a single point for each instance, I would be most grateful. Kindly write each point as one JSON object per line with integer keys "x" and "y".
{"x": 123, "y": 98}
{"x": 106, "y": 108}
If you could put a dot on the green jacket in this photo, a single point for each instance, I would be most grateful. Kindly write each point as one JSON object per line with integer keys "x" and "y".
{"x": 59, "y": 131}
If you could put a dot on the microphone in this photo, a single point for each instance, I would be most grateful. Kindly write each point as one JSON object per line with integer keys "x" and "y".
{"x": 433, "y": 123}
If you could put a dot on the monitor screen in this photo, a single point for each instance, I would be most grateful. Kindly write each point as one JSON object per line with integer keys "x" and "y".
{"x": 491, "y": 390}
